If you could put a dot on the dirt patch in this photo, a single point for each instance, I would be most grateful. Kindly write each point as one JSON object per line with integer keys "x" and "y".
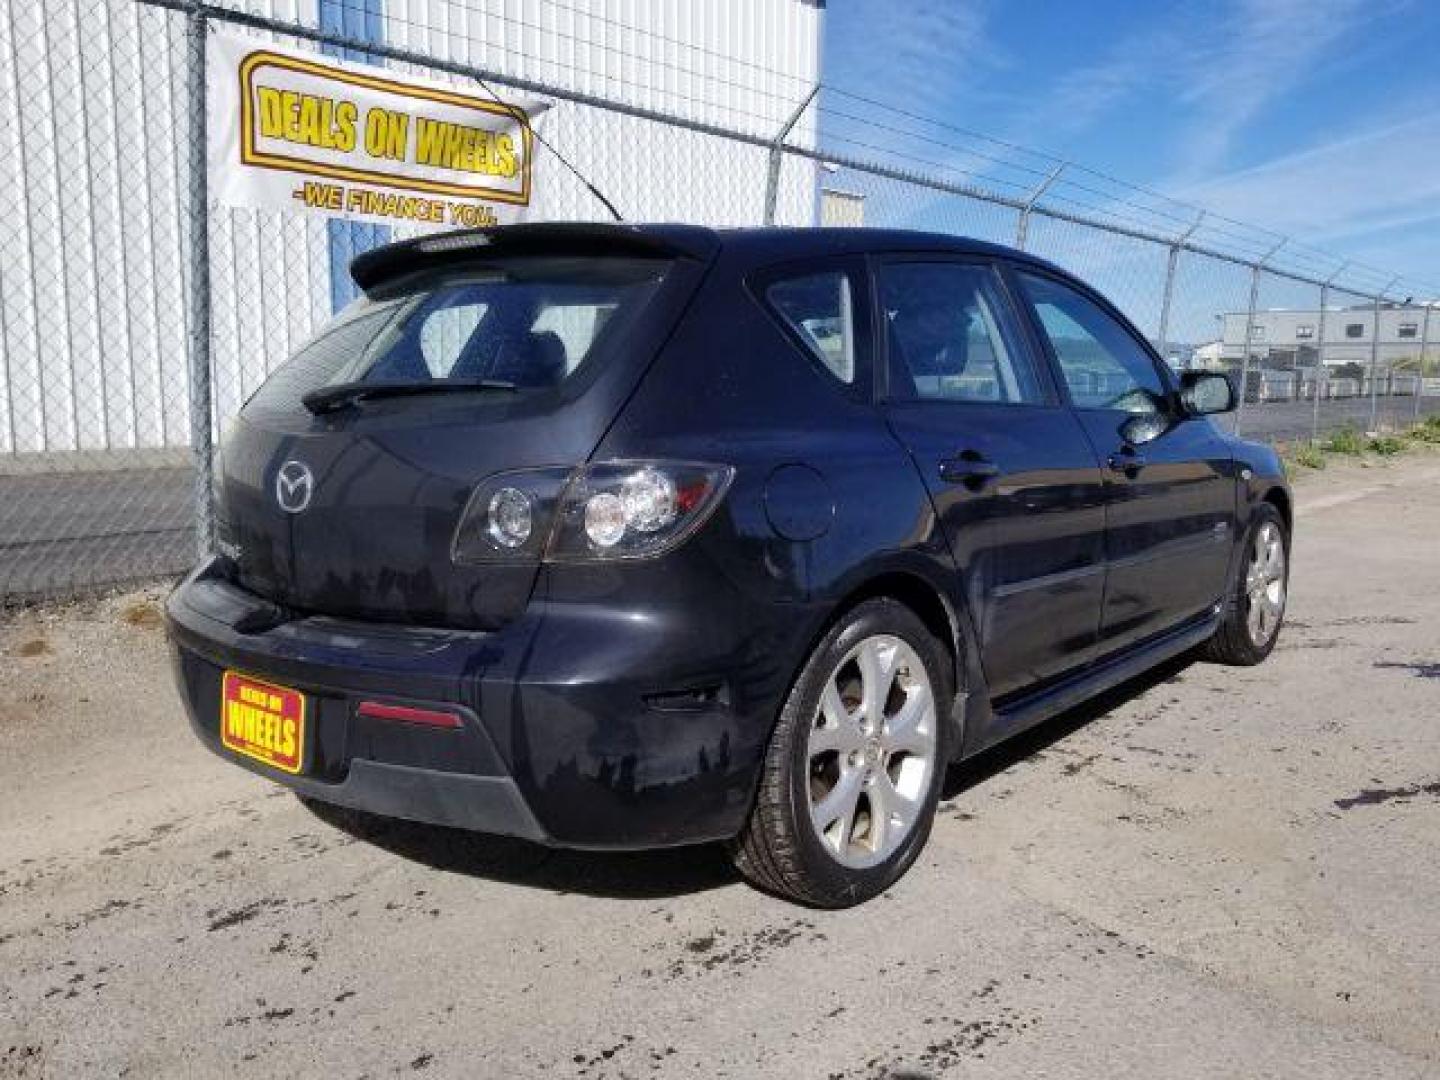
{"x": 144, "y": 614}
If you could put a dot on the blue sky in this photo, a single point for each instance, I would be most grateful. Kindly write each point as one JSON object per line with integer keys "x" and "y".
{"x": 1319, "y": 118}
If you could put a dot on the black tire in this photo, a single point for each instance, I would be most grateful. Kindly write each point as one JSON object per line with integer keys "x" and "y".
{"x": 779, "y": 850}
{"x": 1232, "y": 642}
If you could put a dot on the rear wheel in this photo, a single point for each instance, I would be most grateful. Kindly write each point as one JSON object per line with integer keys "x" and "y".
{"x": 850, "y": 782}
{"x": 1255, "y": 608}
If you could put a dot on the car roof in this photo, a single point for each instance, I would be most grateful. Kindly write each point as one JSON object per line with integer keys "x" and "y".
{"x": 770, "y": 244}
{"x": 747, "y": 247}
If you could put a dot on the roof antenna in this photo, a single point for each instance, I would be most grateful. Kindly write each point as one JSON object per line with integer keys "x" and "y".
{"x": 524, "y": 120}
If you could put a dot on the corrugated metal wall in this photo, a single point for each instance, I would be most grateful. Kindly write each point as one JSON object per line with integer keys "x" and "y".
{"x": 92, "y": 152}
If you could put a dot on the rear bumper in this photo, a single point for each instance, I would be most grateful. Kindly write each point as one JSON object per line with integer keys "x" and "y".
{"x": 490, "y": 804}
{"x": 582, "y": 725}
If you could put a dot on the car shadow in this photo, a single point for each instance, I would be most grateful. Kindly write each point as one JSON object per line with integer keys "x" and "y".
{"x": 623, "y": 875}
{"x": 983, "y": 766}
{"x": 651, "y": 875}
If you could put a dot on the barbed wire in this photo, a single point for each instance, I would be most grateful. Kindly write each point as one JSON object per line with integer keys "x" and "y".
{"x": 1007, "y": 167}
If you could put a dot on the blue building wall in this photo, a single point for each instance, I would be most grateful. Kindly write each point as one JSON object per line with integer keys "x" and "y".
{"x": 362, "y": 19}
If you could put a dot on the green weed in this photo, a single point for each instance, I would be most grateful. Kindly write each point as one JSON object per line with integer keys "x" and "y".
{"x": 1387, "y": 445}
{"x": 1347, "y": 440}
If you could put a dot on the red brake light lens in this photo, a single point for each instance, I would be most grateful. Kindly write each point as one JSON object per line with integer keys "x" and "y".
{"x": 408, "y": 714}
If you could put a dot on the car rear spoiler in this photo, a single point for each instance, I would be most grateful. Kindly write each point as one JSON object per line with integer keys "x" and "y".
{"x": 393, "y": 262}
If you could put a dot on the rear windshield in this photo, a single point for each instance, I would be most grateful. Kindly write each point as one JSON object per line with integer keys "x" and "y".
{"x": 527, "y": 322}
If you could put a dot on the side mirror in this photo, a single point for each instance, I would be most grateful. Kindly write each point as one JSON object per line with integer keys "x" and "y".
{"x": 1204, "y": 393}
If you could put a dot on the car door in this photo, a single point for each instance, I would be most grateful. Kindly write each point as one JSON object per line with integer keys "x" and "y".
{"x": 1013, "y": 479}
{"x": 1170, "y": 492}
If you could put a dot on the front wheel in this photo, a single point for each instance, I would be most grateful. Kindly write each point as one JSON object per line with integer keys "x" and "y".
{"x": 1255, "y": 608}
{"x": 854, "y": 769}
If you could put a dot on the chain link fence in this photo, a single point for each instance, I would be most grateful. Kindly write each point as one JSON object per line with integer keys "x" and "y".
{"x": 136, "y": 316}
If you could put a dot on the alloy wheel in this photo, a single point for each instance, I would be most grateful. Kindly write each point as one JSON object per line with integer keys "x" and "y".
{"x": 871, "y": 751}
{"x": 1265, "y": 584}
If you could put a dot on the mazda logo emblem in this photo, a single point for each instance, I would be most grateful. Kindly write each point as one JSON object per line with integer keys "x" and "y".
{"x": 294, "y": 485}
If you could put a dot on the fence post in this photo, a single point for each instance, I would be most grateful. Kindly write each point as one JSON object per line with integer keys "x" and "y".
{"x": 1245, "y": 359}
{"x": 1420, "y": 367}
{"x": 1375, "y": 358}
{"x": 198, "y": 290}
{"x": 1250, "y": 328}
{"x": 1319, "y": 365}
{"x": 1022, "y": 226}
{"x": 772, "y": 174}
{"x": 1163, "y": 343}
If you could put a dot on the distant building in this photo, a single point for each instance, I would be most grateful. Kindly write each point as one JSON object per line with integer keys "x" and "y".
{"x": 1288, "y": 339}
{"x": 841, "y": 208}
{"x": 1209, "y": 355}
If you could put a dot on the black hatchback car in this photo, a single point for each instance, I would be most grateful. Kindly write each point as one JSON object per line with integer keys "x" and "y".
{"x": 630, "y": 536}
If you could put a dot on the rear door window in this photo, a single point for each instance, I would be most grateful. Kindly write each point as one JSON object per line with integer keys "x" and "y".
{"x": 528, "y": 321}
{"x": 948, "y": 336}
{"x": 819, "y": 309}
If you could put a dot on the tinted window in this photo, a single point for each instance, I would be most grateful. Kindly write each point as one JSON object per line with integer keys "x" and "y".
{"x": 818, "y": 308}
{"x": 944, "y": 328}
{"x": 1102, "y": 363}
{"x": 528, "y": 321}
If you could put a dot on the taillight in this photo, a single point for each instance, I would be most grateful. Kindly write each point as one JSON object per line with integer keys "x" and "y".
{"x": 509, "y": 516}
{"x": 612, "y": 510}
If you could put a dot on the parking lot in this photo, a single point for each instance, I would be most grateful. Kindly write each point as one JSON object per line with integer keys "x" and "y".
{"x": 1213, "y": 872}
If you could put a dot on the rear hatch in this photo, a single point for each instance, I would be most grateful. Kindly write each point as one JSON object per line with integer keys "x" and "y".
{"x": 347, "y": 473}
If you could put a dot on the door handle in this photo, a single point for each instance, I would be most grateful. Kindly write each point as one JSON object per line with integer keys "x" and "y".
{"x": 969, "y": 468}
{"x": 1126, "y": 460}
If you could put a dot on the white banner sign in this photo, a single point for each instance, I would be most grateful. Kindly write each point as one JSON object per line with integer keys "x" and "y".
{"x": 298, "y": 131}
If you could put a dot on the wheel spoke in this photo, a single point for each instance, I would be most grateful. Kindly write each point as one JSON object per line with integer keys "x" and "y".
{"x": 907, "y": 730}
{"x": 899, "y": 805}
{"x": 1274, "y": 561}
{"x": 839, "y": 802}
{"x": 840, "y": 738}
{"x": 838, "y": 730}
{"x": 877, "y": 672}
{"x": 877, "y": 794}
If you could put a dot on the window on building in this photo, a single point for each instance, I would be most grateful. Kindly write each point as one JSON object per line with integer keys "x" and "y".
{"x": 1304, "y": 332}
{"x": 1355, "y": 329}
{"x": 1409, "y": 329}
{"x": 1257, "y": 332}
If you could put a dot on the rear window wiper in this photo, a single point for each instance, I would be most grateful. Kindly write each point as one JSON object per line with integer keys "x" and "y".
{"x": 329, "y": 398}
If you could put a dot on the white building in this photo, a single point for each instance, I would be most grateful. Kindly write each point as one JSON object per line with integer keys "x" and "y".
{"x": 93, "y": 153}
{"x": 1337, "y": 336}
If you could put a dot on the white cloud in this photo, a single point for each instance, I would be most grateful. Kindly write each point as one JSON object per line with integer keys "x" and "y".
{"x": 1377, "y": 178}
{"x": 1362, "y": 194}
{"x": 919, "y": 55}
{"x": 1257, "y": 54}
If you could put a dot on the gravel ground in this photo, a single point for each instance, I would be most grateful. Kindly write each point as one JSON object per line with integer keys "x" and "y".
{"x": 1210, "y": 873}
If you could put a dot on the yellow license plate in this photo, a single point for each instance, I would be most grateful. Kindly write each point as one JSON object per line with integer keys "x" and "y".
{"x": 263, "y": 721}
